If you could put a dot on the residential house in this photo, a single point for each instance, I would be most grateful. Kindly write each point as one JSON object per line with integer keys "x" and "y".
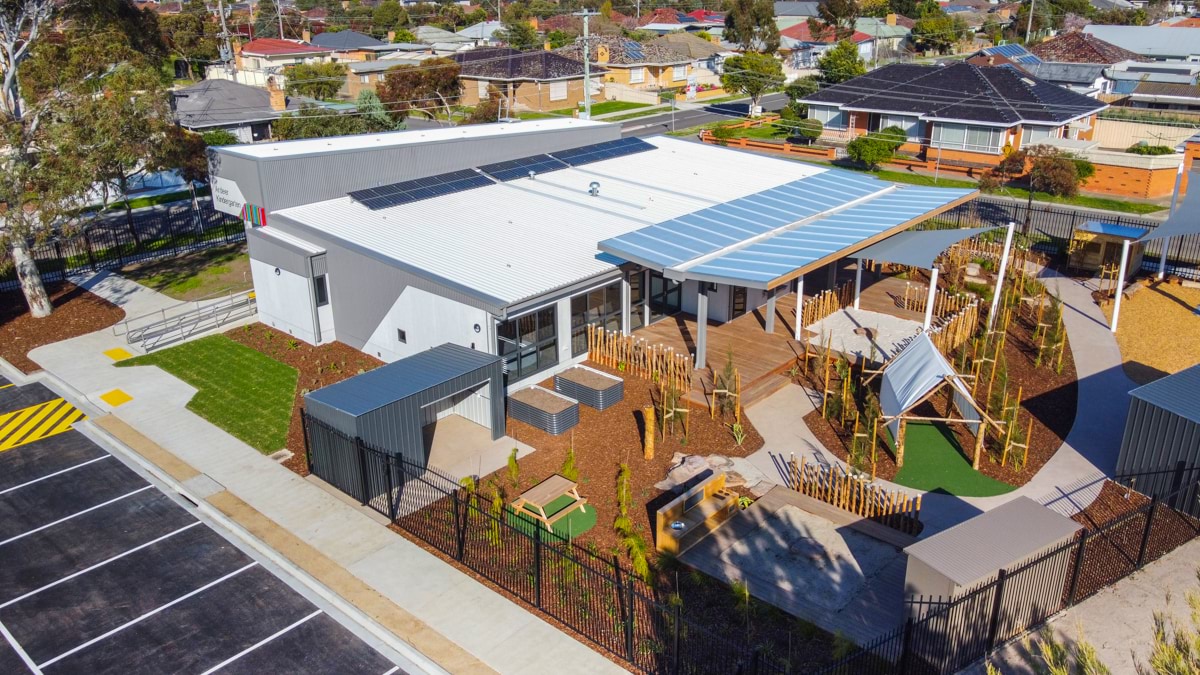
{"x": 959, "y": 115}
{"x": 890, "y": 35}
{"x": 1082, "y": 78}
{"x": 1153, "y": 42}
{"x": 482, "y": 33}
{"x": 244, "y": 111}
{"x": 1079, "y": 47}
{"x": 799, "y": 10}
{"x": 1107, "y": 5}
{"x": 258, "y": 61}
{"x": 801, "y": 49}
{"x": 432, "y": 35}
{"x": 345, "y": 41}
{"x": 538, "y": 80}
{"x": 706, "y": 56}
{"x": 631, "y": 65}
{"x": 1157, "y": 86}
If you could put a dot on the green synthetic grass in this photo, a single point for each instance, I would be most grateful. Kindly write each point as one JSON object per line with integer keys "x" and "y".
{"x": 238, "y": 389}
{"x": 570, "y": 526}
{"x": 933, "y": 461}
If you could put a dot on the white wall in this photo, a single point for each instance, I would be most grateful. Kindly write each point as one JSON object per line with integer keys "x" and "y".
{"x": 473, "y": 404}
{"x": 428, "y": 321}
{"x": 285, "y": 301}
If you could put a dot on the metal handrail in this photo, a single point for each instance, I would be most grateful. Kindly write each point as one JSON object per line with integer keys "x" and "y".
{"x": 178, "y": 327}
{"x": 186, "y": 306}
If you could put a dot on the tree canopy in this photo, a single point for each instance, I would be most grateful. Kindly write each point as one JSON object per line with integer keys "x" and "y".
{"x": 316, "y": 80}
{"x": 841, "y": 63}
{"x": 519, "y": 34}
{"x": 752, "y": 74}
{"x": 422, "y": 89}
{"x": 750, "y": 24}
{"x": 835, "y": 18}
{"x": 935, "y": 30}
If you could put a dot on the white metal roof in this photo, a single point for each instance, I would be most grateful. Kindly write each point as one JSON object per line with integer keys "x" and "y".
{"x": 517, "y": 240}
{"x": 397, "y": 138}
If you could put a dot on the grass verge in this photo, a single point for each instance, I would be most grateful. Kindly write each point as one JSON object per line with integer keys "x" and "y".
{"x": 604, "y": 108}
{"x": 238, "y": 389}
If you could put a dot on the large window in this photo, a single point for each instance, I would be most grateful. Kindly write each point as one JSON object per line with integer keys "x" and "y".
{"x": 910, "y": 124}
{"x": 829, "y": 116}
{"x": 966, "y": 137}
{"x": 679, "y": 73}
{"x": 558, "y": 91}
{"x": 637, "y": 75}
{"x": 1034, "y": 135}
{"x": 528, "y": 343}
{"x": 598, "y": 307}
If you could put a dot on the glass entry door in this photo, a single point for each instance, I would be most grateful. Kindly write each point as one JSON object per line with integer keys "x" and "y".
{"x": 666, "y": 297}
{"x": 737, "y": 301}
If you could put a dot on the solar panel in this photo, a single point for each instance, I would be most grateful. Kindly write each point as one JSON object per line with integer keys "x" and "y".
{"x": 420, "y": 188}
{"x": 521, "y": 168}
{"x": 633, "y": 50}
{"x": 602, "y": 151}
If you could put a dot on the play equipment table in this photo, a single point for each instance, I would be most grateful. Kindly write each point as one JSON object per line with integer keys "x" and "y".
{"x": 534, "y": 500}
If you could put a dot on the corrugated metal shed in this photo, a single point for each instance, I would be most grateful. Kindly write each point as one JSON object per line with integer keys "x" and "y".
{"x": 1178, "y": 393}
{"x": 1162, "y": 433}
{"x": 975, "y": 550}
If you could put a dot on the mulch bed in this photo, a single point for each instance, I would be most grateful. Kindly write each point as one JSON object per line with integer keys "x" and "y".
{"x": 1050, "y": 397}
{"x": 605, "y": 439}
{"x": 76, "y": 312}
{"x": 587, "y": 378}
{"x": 542, "y": 399}
{"x": 319, "y": 366}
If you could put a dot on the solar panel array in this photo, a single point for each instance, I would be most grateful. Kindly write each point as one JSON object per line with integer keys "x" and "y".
{"x": 633, "y": 50}
{"x": 602, "y": 151}
{"x": 420, "y": 188}
{"x": 521, "y": 168}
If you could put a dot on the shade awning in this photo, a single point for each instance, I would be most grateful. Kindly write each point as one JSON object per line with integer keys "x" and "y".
{"x": 770, "y": 237}
{"x": 917, "y": 370}
{"x": 918, "y": 249}
{"x": 1186, "y": 218}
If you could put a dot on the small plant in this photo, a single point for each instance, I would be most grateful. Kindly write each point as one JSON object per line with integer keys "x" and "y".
{"x": 293, "y": 345}
{"x": 744, "y": 502}
{"x": 794, "y": 371}
{"x": 738, "y": 432}
{"x": 268, "y": 335}
{"x": 468, "y": 484}
{"x": 621, "y": 367}
{"x": 514, "y": 469}
{"x": 741, "y": 593}
{"x": 568, "y": 469}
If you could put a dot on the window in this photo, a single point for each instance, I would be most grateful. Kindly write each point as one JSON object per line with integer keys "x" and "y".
{"x": 321, "y": 290}
{"x": 481, "y": 87}
{"x": 364, "y": 79}
{"x": 598, "y": 307}
{"x": 528, "y": 343}
{"x": 679, "y": 73}
{"x": 558, "y": 91}
{"x": 911, "y": 125}
{"x": 380, "y": 77}
{"x": 636, "y": 300}
{"x": 402, "y": 336}
{"x": 969, "y": 138}
{"x": 637, "y": 75}
{"x": 1031, "y": 136}
{"x": 828, "y": 116}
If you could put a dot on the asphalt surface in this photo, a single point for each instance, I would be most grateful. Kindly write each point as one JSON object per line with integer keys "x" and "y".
{"x": 103, "y": 572}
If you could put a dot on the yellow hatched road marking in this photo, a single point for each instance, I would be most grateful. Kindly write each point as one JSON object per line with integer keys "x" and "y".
{"x": 37, "y": 422}
{"x": 52, "y": 421}
{"x": 66, "y": 424}
{"x": 18, "y": 419}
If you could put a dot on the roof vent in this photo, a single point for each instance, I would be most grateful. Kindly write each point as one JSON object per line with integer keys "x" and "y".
{"x": 532, "y": 175}
{"x": 594, "y": 189}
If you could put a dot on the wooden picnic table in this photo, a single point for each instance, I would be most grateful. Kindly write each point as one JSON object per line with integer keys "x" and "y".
{"x": 534, "y": 500}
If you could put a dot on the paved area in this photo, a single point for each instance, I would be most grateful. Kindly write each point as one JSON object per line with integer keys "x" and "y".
{"x": 105, "y": 573}
{"x": 447, "y": 616}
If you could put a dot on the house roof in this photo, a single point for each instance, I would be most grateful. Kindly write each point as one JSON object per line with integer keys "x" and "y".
{"x": 345, "y": 39}
{"x": 484, "y": 30}
{"x": 275, "y": 47}
{"x": 1167, "y": 89}
{"x": 1190, "y": 22}
{"x": 689, "y": 45}
{"x": 803, "y": 9}
{"x": 623, "y": 52}
{"x": 1079, "y": 47}
{"x": 1011, "y": 52}
{"x": 1001, "y": 96}
{"x": 1152, "y": 41}
{"x": 433, "y": 34}
{"x": 1178, "y": 393}
{"x": 219, "y": 103}
{"x": 802, "y": 33}
{"x": 501, "y": 63}
{"x": 880, "y": 29}
{"x": 1111, "y": 4}
{"x": 1070, "y": 73}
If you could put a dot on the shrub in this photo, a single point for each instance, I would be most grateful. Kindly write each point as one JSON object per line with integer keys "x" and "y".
{"x": 810, "y": 129}
{"x": 514, "y": 469}
{"x": 870, "y": 151}
{"x": 568, "y": 469}
{"x": 893, "y": 136}
{"x": 1144, "y": 148}
{"x": 724, "y": 132}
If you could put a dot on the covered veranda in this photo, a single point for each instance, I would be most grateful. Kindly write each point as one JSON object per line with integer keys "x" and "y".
{"x": 769, "y": 242}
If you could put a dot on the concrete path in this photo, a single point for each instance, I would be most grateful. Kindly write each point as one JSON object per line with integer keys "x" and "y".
{"x": 453, "y": 619}
{"x": 1067, "y": 483}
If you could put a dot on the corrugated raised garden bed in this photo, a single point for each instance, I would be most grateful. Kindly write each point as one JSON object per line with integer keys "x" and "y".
{"x": 590, "y": 387}
{"x": 549, "y": 411}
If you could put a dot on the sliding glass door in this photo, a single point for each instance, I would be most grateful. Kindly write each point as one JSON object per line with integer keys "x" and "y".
{"x": 666, "y": 297}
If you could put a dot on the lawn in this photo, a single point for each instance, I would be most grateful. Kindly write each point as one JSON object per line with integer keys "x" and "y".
{"x": 634, "y": 115}
{"x": 567, "y": 528}
{"x": 934, "y": 461}
{"x": 604, "y": 108}
{"x": 196, "y": 275}
{"x": 238, "y": 389}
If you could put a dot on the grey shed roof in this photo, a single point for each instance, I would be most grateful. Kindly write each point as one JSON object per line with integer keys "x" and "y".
{"x": 1178, "y": 393}
{"x": 401, "y": 379}
{"x": 1010, "y": 533}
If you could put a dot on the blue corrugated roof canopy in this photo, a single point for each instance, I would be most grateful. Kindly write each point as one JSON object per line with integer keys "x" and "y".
{"x": 768, "y": 238}
{"x": 401, "y": 379}
{"x": 1112, "y": 229}
{"x": 918, "y": 249}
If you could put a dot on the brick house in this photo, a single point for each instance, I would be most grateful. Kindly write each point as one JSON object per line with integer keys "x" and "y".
{"x": 632, "y": 64}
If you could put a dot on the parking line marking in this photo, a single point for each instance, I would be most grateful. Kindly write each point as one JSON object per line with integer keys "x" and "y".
{"x": 52, "y": 475}
{"x": 258, "y": 644}
{"x": 74, "y": 515}
{"x": 392, "y": 670}
{"x": 36, "y": 422}
{"x": 102, "y": 563}
{"x": 12, "y": 641}
{"x": 6, "y": 386}
{"x": 147, "y": 615}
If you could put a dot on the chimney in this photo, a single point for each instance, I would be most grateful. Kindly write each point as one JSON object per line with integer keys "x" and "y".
{"x": 602, "y": 53}
{"x": 237, "y": 54}
{"x": 533, "y": 22}
{"x": 891, "y": 19}
{"x": 391, "y": 36}
{"x": 278, "y": 97}
{"x": 991, "y": 60}
{"x": 546, "y": 45}
{"x": 306, "y": 35}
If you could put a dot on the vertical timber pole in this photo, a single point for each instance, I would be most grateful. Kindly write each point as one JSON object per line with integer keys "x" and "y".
{"x": 991, "y": 322}
{"x": 1166, "y": 241}
{"x": 1120, "y": 284}
{"x": 933, "y": 276}
{"x": 587, "y": 65}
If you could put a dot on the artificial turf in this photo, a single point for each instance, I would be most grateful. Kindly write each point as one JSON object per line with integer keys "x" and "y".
{"x": 238, "y": 389}
{"x": 570, "y": 526}
{"x": 933, "y": 461}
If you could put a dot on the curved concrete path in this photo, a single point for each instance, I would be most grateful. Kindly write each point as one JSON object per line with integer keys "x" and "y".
{"x": 1067, "y": 483}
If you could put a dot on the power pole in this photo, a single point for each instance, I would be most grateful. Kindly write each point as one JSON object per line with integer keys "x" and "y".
{"x": 587, "y": 66}
{"x": 279, "y": 14}
{"x": 227, "y": 53}
{"x": 1029, "y": 24}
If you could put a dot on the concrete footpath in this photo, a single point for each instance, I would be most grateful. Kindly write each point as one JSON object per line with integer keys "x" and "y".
{"x": 444, "y": 614}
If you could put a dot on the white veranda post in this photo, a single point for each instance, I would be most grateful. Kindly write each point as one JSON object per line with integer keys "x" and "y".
{"x": 701, "y": 327}
{"x": 1120, "y": 283}
{"x": 857, "y": 281}
{"x": 1000, "y": 276}
{"x": 800, "y": 307}
{"x": 932, "y": 295}
{"x": 1166, "y": 242}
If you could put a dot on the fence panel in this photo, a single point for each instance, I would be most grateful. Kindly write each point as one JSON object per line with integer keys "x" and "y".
{"x": 1111, "y": 553}
{"x": 333, "y": 456}
{"x": 497, "y": 550}
{"x": 578, "y": 591}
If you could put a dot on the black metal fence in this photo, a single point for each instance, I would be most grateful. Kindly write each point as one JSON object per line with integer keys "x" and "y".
{"x": 1050, "y": 229}
{"x": 945, "y": 635}
{"x": 112, "y": 244}
{"x": 595, "y": 596}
